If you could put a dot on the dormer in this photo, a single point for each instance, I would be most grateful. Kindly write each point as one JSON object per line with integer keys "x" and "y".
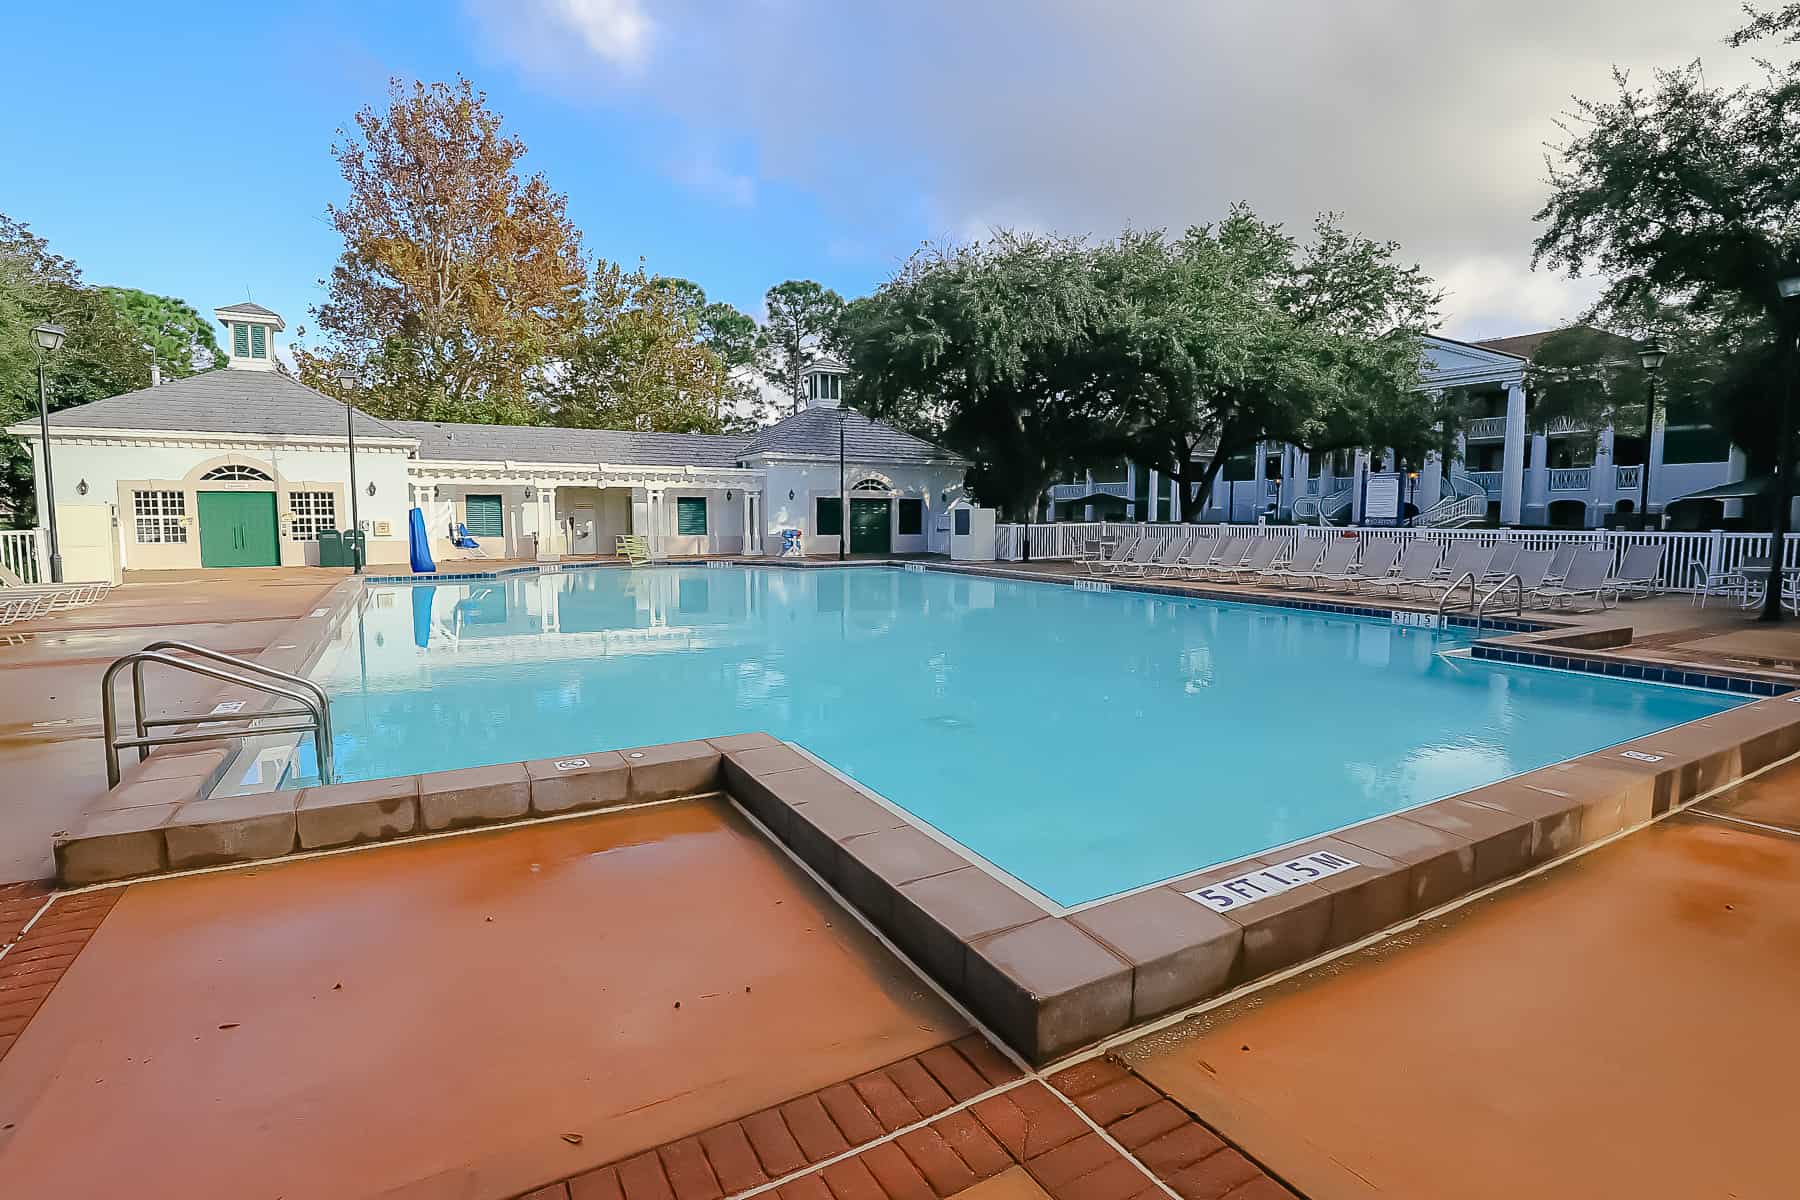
{"x": 250, "y": 331}
{"x": 823, "y": 381}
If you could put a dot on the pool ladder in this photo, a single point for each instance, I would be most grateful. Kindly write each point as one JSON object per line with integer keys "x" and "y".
{"x": 1479, "y": 606}
{"x": 311, "y": 712}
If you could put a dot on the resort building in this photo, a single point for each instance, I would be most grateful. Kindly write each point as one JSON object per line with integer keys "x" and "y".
{"x": 1562, "y": 477}
{"x": 245, "y": 466}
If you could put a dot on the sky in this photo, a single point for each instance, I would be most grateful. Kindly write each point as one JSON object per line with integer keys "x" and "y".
{"x": 186, "y": 151}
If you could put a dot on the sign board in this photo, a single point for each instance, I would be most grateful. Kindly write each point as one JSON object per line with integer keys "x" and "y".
{"x": 1381, "y": 500}
{"x": 1242, "y": 890}
{"x": 228, "y": 706}
{"x": 1420, "y": 619}
{"x": 1092, "y": 585}
{"x": 1640, "y": 756}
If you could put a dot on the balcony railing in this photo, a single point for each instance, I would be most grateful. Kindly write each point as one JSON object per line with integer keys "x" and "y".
{"x": 1571, "y": 479}
{"x": 1486, "y": 429}
{"x": 1488, "y": 481}
{"x": 1566, "y": 425}
{"x": 1075, "y": 491}
{"x": 1627, "y": 478}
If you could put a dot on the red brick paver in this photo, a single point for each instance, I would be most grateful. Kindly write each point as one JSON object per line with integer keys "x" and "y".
{"x": 36, "y": 959}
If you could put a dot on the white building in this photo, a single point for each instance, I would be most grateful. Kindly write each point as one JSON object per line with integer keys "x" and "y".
{"x": 1562, "y": 477}
{"x": 244, "y": 466}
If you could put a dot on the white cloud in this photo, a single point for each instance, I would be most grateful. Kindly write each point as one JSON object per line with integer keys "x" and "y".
{"x": 563, "y": 40}
{"x": 616, "y": 30}
{"x": 702, "y": 171}
{"x": 1422, "y": 123}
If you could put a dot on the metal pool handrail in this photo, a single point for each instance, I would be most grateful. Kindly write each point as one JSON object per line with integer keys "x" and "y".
{"x": 1519, "y": 604}
{"x": 310, "y": 700}
{"x": 1451, "y": 591}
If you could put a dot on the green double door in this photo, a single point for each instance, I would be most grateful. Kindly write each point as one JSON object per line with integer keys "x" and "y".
{"x": 871, "y": 527}
{"x": 237, "y": 529}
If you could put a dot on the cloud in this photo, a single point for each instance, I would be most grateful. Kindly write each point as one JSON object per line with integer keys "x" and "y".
{"x": 1427, "y": 124}
{"x": 565, "y": 39}
{"x": 702, "y": 171}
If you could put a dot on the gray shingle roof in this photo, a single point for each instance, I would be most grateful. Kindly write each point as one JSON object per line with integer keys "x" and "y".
{"x": 249, "y": 309}
{"x": 815, "y": 431}
{"x": 544, "y": 443}
{"x": 225, "y": 401}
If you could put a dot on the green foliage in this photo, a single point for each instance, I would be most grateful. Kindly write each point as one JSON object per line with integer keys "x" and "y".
{"x": 101, "y": 355}
{"x": 180, "y": 338}
{"x": 803, "y": 320}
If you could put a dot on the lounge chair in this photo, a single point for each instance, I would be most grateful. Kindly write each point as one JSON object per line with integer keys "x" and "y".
{"x": 1302, "y": 563}
{"x": 1529, "y": 568}
{"x": 1169, "y": 563}
{"x": 1377, "y": 564}
{"x": 1230, "y": 553}
{"x": 1563, "y": 560}
{"x": 23, "y": 608}
{"x": 1162, "y": 552}
{"x": 1137, "y": 553}
{"x": 1417, "y": 565}
{"x": 1587, "y": 577}
{"x": 1101, "y": 564}
{"x": 1334, "y": 563}
{"x": 1636, "y": 576}
{"x": 14, "y": 590}
{"x": 1199, "y": 552}
{"x": 1501, "y": 564}
{"x": 461, "y": 539}
{"x": 1256, "y": 564}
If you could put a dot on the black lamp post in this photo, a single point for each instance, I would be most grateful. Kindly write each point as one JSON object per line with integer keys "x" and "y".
{"x": 49, "y": 339}
{"x": 1789, "y": 323}
{"x": 347, "y": 378}
{"x": 1651, "y": 358}
{"x": 843, "y": 501}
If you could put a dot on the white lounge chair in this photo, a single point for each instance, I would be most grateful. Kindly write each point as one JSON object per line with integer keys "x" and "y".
{"x": 1500, "y": 565}
{"x": 1417, "y": 565}
{"x": 1376, "y": 565}
{"x": 1529, "y": 569}
{"x": 1636, "y": 576}
{"x": 1302, "y": 563}
{"x": 1199, "y": 552}
{"x": 1230, "y": 553}
{"x": 1257, "y": 563}
{"x": 1587, "y": 577}
{"x": 1169, "y": 564}
{"x": 1161, "y": 552}
{"x": 1106, "y": 566}
{"x": 1332, "y": 565}
{"x": 1563, "y": 560}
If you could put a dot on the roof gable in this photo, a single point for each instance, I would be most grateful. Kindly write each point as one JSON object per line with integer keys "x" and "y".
{"x": 813, "y": 432}
{"x": 264, "y": 403}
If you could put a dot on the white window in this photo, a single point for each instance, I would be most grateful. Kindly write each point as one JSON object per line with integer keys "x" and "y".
{"x": 312, "y": 511}
{"x": 159, "y": 516}
{"x": 236, "y": 474}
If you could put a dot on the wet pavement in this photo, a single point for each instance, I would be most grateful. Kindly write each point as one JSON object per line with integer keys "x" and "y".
{"x": 51, "y": 754}
{"x": 470, "y": 1016}
{"x": 1619, "y": 1026}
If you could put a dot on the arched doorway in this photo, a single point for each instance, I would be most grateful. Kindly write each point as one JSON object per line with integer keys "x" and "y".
{"x": 871, "y": 517}
{"x": 238, "y": 525}
{"x": 1567, "y": 514}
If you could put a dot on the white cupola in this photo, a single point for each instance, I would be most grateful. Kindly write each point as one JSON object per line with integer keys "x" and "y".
{"x": 823, "y": 379}
{"x": 250, "y": 331}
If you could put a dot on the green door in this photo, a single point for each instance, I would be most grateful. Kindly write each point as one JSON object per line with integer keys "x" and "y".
{"x": 237, "y": 529}
{"x": 870, "y": 527}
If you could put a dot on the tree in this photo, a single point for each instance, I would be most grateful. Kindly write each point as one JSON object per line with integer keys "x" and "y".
{"x": 101, "y": 355}
{"x": 180, "y": 339}
{"x": 803, "y": 319}
{"x": 1235, "y": 334}
{"x": 733, "y": 338}
{"x": 640, "y": 361}
{"x": 990, "y": 346}
{"x": 1683, "y": 197}
{"x": 458, "y": 278}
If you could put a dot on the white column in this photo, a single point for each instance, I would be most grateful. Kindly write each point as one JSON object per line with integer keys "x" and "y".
{"x": 1654, "y": 454}
{"x": 1359, "y": 464}
{"x": 655, "y": 515}
{"x": 1131, "y": 512}
{"x": 1087, "y": 510}
{"x": 1174, "y": 500}
{"x": 1512, "y": 461}
{"x": 1737, "y": 467}
{"x": 1150, "y": 496}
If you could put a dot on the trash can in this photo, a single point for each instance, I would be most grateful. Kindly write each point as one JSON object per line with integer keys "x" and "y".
{"x": 356, "y": 548}
{"x": 331, "y": 549}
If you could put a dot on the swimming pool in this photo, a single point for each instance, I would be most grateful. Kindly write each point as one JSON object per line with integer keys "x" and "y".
{"x": 1086, "y": 743}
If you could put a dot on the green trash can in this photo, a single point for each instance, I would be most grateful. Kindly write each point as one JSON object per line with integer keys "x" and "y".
{"x": 356, "y": 548}
{"x": 331, "y": 549}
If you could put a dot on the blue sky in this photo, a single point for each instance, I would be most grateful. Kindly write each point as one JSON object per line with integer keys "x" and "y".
{"x": 185, "y": 151}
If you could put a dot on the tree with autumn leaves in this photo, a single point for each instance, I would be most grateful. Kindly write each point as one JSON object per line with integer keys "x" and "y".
{"x": 463, "y": 294}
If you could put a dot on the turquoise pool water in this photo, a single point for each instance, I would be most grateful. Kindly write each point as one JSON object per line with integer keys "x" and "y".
{"x": 1085, "y": 742}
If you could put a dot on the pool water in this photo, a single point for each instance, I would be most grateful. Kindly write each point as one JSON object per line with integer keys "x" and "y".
{"x": 1085, "y": 742}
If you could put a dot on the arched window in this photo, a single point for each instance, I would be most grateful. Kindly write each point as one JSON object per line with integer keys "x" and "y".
{"x": 236, "y": 474}
{"x": 871, "y": 485}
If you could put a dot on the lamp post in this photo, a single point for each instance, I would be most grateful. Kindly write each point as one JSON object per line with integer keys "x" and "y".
{"x": 49, "y": 339}
{"x": 1788, "y": 321}
{"x": 843, "y": 501}
{"x": 1651, "y": 358}
{"x": 347, "y": 379}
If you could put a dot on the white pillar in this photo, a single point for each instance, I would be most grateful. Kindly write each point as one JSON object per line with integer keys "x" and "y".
{"x": 1174, "y": 500}
{"x": 1654, "y": 454}
{"x": 1131, "y": 512}
{"x": 1737, "y": 467}
{"x": 655, "y": 516}
{"x": 1512, "y": 461}
{"x": 1150, "y": 496}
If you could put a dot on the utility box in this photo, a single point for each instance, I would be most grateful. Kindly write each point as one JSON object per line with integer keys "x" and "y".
{"x": 971, "y": 533}
{"x": 88, "y": 536}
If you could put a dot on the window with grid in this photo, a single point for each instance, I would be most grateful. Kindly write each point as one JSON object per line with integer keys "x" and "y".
{"x": 690, "y": 515}
{"x": 159, "y": 516}
{"x": 312, "y": 511}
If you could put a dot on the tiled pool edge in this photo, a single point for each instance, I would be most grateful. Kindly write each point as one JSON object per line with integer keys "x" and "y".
{"x": 1049, "y": 984}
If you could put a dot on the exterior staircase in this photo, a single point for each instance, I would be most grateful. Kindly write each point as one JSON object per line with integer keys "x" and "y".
{"x": 1467, "y": 504}
{"x": 1333, "y": 509}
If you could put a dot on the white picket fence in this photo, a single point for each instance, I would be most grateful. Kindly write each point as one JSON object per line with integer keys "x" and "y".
{"x": 19, "y": 553}
{"x": 1687, "y": 560}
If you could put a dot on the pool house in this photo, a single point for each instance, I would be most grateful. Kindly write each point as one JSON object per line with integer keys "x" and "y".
{"x": 245, "y": 467}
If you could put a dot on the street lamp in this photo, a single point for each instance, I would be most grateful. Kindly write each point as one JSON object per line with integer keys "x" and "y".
{"x": 843, "y": 502}
{"x": 49, "y": 339}
{"x": 347, "y": 380}
{"x": 1788, "y": 320}
{"x": 1651, "y": 358}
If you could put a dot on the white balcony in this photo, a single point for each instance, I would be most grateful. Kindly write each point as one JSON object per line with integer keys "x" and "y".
{"x": 1566, "y": 425}
{"x": 1571, "y": 479}
{"x": 1628, "y": 478}
{"x": 1486, "y": 429}
{"x": 1487, "y": 481}
{"x": 1077, "y": 491}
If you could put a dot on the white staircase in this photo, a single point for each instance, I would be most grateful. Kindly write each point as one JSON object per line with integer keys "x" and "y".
{"x": 1467, "y": 504}
{"x": 1333, "y": 509}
